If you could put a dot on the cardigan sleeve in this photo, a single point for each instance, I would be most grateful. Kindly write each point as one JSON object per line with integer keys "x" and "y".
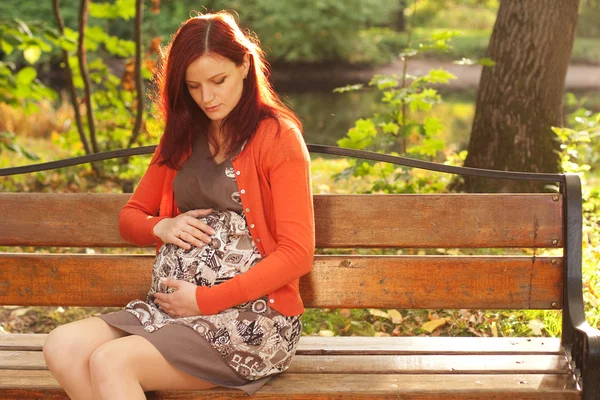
{"x": 141, "y": 213}
{"x": 288, "y": 171}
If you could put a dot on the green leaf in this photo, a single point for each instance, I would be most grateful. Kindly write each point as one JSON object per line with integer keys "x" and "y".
{"x": 32, "y": 54}
{"x": 433, "y": 125}
{"x": 6, "y": 47}
{"x": 13, "y": 147}
{"x": 7, "y": 135}
{"x": 384, "y": 81}
{"x": 487, "y": 62}
{"x": 67, "y": 44}
{"x": 29, "y": 155}
{"x": 348, "y": 88}
{"x": 438, "y": 76}
{"x": 26, "y": 75}
{"x": 445, "y": 35}
{"x": 430, "y": 147}
{"x": 120, "y": 47}
{"x": 360, "y": 136}
{"x": 121, "y": 9}
{"x": 390, "y": 127}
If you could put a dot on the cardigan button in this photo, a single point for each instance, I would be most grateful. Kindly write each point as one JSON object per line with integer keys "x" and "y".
{"x": 242, "y": 191}
{"x": 237, "y": 173}
{"x": 251, "y": 225}
{"x": 247, "y": 210}
{"x": 272, "y": 301}
{"x": 257, "y": 240}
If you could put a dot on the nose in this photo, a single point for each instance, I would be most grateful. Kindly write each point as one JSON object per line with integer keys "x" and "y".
{"x": 207, "y": 94}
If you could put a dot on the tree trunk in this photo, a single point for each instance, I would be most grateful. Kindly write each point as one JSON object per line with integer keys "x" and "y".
{"x": 520, "y": 98}
{"x": 400, "y": 21}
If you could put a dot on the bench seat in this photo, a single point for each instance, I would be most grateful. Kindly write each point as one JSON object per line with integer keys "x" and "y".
{"x": 357, "y": 367}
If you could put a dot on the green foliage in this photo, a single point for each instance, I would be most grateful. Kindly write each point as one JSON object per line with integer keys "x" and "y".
{"x": 403, "y": 124}
{"x": 8, "y": 142}
{"x": 320, "y": 31}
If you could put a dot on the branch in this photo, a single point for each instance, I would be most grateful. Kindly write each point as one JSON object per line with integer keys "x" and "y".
{"x": 81, "y": 54}
{"x": 139, "y": 82}
{"x": 74, "y": 101}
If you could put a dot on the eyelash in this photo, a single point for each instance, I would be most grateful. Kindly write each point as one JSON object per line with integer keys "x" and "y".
{"x": 216, "y": 83}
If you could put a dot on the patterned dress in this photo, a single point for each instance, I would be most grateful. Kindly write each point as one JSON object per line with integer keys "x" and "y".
{"x": 241, "y": 346}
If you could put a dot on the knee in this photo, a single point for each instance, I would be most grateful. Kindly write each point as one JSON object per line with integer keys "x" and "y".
{"x": 62, "y": 348}
{"x": 106, "y": 363}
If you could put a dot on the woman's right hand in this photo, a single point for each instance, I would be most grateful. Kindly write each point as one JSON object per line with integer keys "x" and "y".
{"x": 185, "y": 229}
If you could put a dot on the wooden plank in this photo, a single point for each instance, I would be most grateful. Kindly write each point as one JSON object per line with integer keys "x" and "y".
{"x": 451, "y": 282}
{"x": 346, "y": 345}
{"x": 411, "y": 220}
{"x": 428, "y": 364}
{"x": 40, "y": 384}
{"x": 366, "y": 345}
{"x": 370, "y": 364}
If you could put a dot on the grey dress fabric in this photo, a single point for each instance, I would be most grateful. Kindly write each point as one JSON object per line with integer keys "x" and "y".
{"x": 241, "y": 347}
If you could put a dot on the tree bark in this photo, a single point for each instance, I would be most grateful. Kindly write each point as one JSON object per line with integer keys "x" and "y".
{"x": 72, "y": 91}
{"x": 520, "y": 98}
{"x": 82, "y": 57}
{"x": 139, "y": 81}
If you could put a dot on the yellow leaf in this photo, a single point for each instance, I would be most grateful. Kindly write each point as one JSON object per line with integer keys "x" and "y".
{"x": 378, "y": 313}
{"x": 396, "y": 316}
{"x": 494, "y": 329}
{"x": 326, "y": 332}
{"x": 433, "y": 325}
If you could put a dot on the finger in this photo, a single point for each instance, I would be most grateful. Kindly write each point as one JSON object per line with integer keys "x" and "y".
{"x": 200, "y": 212}
{"x": 200, "y": 225}
{"x": 192, "y": 240}
{"x": 181, "y": 243}
{"x": 170, "y": 282}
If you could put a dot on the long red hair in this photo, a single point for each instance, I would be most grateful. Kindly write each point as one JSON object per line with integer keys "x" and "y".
{"x": 212, "y": 33}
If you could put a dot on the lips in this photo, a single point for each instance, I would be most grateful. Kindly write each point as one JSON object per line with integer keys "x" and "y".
{"x": 211, "y": 109}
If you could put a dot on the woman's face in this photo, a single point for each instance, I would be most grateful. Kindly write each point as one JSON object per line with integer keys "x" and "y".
{"x": 216, "y": 84}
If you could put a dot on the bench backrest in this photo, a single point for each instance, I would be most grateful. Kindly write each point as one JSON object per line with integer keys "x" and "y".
{"x": 407, "y": 222}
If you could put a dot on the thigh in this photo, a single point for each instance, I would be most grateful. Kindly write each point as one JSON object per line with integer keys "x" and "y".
{"x": 80, "y": 338}
{"x": 138, "y": 356}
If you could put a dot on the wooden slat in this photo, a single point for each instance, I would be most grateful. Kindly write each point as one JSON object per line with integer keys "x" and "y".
{"x": 503, "y": 282}
{"x": 369, "y": 364}
{"x": 430, "y": 220}
{"x": 40, "y": 384}
{"x": 350, "y": 345}
{"x": 426, "y": 345}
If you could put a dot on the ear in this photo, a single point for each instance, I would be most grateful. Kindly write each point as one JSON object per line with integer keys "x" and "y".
{"x": 246, "y": 64}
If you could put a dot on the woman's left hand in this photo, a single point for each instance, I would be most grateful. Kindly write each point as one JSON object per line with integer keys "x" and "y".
{"x": 182, "y": 302}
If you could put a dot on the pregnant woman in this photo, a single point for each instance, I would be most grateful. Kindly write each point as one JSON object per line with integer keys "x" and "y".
{"x": 227, "y": 200}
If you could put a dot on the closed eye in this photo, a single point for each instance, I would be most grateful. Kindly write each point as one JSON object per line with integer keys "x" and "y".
{"x": 220, "y": 82}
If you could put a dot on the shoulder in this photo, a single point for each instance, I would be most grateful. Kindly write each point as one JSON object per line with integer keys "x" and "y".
{"x": 271, "y": 128}
{"x": 280, "y": 139}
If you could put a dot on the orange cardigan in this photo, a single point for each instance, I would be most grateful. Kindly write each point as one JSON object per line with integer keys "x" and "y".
{"x": 275, "y": 187}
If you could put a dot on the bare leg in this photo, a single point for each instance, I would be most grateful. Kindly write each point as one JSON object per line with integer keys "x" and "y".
{"x": 68, "y": 349}
{"x": 125, "y": 368}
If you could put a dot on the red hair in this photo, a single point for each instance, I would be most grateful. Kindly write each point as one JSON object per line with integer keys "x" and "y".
{"x": 216, "y": 33}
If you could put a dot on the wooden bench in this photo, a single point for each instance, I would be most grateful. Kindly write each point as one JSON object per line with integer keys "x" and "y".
{"x": 346, "y": 367}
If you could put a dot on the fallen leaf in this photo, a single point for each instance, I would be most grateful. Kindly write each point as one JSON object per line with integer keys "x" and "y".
{"x": 381, "y": 334}
{"x": 345, "y": 312}
{"x": 494, "y": 329}
{"x": 396, "y": 316}
{"x": 326, "y": 333}
{"x": 433, "y": 325}
{"x": 378, "y": 313}
{"x": 536, "y": 326}
{"x": 432, "y": 316}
